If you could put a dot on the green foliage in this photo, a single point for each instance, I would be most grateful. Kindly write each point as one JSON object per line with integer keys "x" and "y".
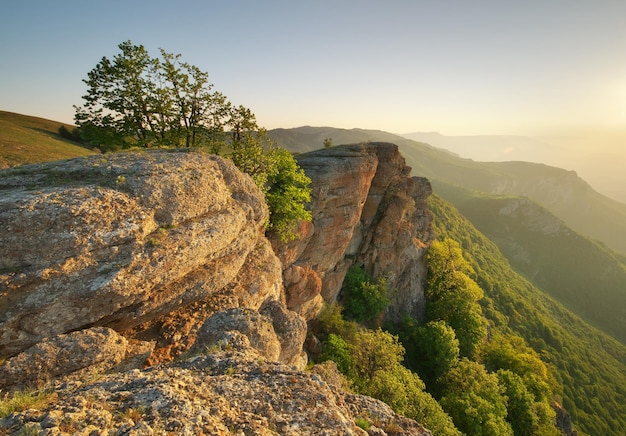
{"x": 328, "y": 142}
{"x": 371, "y": 360}
{"x": 338, "y": 350}
{"x": 563, "y": 263}
{"x": 364, "y": 298}
{"x": 475, "y": 400}
{"x": 331, "y": 321}
{"x": 526, "y": 415}
{"x": 288, "y": 192}
{"x": 72, "y": 135}
{"x": 432, "y": 349}
{"x": 589, "y": 367}
{"x": 136, "y": 100}
{"x": 452, "y": 296}
{"x": 362, "y": 423}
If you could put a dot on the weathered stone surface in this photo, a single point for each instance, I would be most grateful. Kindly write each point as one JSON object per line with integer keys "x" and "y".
{"x": 229, "y": 391}
{"x": 122, "y": 239}
{"x": 256, "y": 327}
{"x": 366, "y": 210}
{"x": 290, "y": 328}
{"x": 167, "y": 249}
{"x": 97, "y": 349}
{"x": 275, "y": 333}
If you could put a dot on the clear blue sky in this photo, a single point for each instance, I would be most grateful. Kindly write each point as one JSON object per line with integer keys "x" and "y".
{"x": 458, "y": 67}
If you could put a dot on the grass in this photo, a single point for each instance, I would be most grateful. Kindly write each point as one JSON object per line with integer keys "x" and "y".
{"x": 362, "y": 423}
{"x": 25, "y": 139}
{"x": 24, "y": 400}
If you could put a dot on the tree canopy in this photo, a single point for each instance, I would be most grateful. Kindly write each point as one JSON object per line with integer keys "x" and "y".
{"x": 135, "y": 100}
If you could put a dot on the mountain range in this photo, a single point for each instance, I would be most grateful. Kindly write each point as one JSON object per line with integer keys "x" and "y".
{"x": 597, "y": 164}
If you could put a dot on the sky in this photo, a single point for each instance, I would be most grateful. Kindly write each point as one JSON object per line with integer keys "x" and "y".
{"x": 501, "y": 67}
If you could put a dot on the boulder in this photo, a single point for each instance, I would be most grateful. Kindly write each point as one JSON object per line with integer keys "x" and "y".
{"x": 230, "y": 390}
{"x": 97, "y": 349}
{"x": 125, "y": 239}
{"x": 275, "y": 333}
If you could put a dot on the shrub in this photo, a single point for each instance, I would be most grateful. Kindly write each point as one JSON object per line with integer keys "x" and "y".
{"x": 364, "y": 298}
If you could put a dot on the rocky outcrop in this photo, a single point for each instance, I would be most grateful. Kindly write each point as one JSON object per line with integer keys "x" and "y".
{"x": 366, "y": 210}
{"x": 230, "y": 390}
{"x": 146, "y": 244}
{"x": 140, "y": 289}
{"x": 91, "y": 350}
{"x": 275, "y": 333}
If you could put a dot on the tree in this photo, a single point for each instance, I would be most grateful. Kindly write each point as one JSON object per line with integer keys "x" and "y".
{"x": 287, "y": 194}
{"x": 119, "y": 104}
{"x": 136, "y": 100}
{"x": 475, "y": 400}
{"x": 432, "y": 349}
{"x": 364, "y": 297}
{"x": 452, "y": 296}
{"x": 371, "y": 360}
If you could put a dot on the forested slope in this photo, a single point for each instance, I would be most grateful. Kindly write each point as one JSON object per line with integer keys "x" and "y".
{"x": 589, "y": 365}
{"x": 584, "y": 275}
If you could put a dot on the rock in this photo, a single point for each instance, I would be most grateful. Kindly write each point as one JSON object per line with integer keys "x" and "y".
{"x": 290, "y": 328}
{"x": 275, "y": 333}
{"x": 563, "y": 420}
{"x": 229, "y": 391}
{"x": 366, "y": 210}
{"x": 256, "y": 327}
{"x": 97, "y": 349}
{"x": 304, "y": 290}
{"x": 125, "y": 239}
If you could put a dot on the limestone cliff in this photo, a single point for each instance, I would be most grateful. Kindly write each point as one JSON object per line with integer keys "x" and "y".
{"x": 366, "y": 210}
{"x": 153, "y": 268}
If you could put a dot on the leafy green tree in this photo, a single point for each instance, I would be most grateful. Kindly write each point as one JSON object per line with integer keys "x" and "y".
{"x": 331, "y": 321}
{"x": 287, "y": 194}
{"x": 404, "y": 391}
{"x": 338, "y": 350}
{"x": 452, "y": 296}
{"x": 187, "y": 108}
{"x": 364, "y": 298}
{"x": 431, "y": 349}
{"x": 526, "y": 416}
{"x": 512, "y": 353}
{"x": 136, "y": 100}
{"x": 475, "y": 400}
{"x": 118, "y": 109}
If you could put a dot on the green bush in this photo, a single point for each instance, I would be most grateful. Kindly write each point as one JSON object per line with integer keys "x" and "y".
{"x": 364, "y": 298}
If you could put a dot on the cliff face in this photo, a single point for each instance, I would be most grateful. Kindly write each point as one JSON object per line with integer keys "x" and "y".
{"x": 147, "y": 244}
{"x": 366, "y": 210}
{"x": 117, "y": 263}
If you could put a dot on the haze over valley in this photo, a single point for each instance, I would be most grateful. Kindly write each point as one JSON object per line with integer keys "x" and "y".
{"x": 599, "y": 160}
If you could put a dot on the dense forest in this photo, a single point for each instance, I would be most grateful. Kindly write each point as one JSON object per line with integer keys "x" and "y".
{"x": 494, "y": 355}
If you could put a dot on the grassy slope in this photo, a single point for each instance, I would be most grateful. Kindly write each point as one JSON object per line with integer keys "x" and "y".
{"x": 589, "y": 365}
{"x": 25, "y": 139}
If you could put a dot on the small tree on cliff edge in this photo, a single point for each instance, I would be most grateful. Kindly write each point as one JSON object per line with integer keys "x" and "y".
{"x": 135, "y": 100}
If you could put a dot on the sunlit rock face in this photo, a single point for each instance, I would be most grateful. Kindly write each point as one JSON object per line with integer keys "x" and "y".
{"x": 147, "y": 244}
{"x": 366, "y": 210}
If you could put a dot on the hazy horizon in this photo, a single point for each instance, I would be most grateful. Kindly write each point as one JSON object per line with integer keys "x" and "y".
{"x": 535, "y": 68}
